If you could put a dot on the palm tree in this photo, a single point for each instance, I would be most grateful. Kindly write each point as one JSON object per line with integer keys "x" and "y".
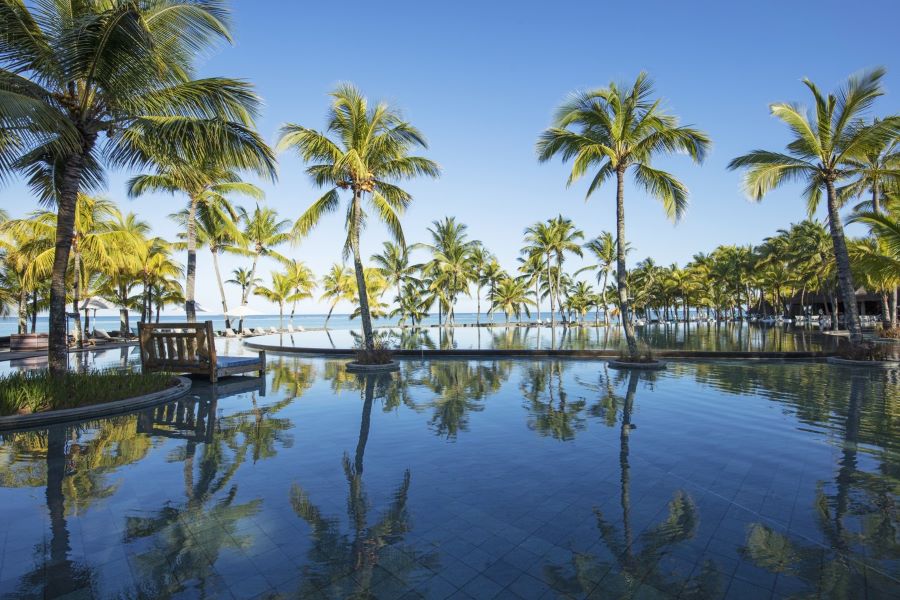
{"x": 207, "y": 185}
{"x": 263, "y": 232}
{"x": 451, "y": 266}
{"x": 539, "y": 247}
{"x": 479, "y": 259}
{"x": 367, "y": 153}
{"x": 280, "y": 292}
{"x": 603, "y": 249}
{"x": 393, "y": 264}
{"x": 337, "y": 286}
{"x": 825, "y": 150}
{"x": 214, "y": 226}
{"x": 244, "y": 279}
{"x": 877, "y": 169}
{"x": 27, "y": 247}
{"x": 564, "y": 239}
{"x": 91, "y": 243}
{"x": 303, "y": 282}
{"x": 511, "y": 296}
{"x": 531, "y": 266}
{"x": 73, "y": 71}
{"x": 490, "y": 277}
{"x": 122, "y": 273}
{"x": 882, "y": 262}
{"x": 157, "y": 272}
{"x": 615, "y": 129}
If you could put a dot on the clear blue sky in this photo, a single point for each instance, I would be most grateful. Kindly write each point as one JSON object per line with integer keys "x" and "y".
{"x": 481, "y": 80}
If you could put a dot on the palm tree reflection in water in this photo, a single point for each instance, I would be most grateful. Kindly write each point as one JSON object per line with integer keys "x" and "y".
{"x": 635, "y": 564}
{"x": 370, "y": 556}
{"x": 854, "y": 559}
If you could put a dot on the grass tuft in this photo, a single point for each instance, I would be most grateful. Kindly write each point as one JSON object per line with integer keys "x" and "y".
{"x": 37, "y": 391}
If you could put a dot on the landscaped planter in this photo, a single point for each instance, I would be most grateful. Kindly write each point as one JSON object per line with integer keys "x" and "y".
{"x": 355, "y": 367}
{"x": 50, "y": 417}
{"x": 28, "y": 342}
{"x": 654, "y": 365}
{"x": 876, "y": 364}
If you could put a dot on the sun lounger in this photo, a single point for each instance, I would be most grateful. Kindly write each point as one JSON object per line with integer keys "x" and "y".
{"x": 190, "y": 348}
{"x": 103, "y": 335}
{"x": 272, "y": 330}
{"x": 229, "y": 333}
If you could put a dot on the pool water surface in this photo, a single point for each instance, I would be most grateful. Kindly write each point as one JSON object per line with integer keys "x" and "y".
{"x": 469, "y": 479}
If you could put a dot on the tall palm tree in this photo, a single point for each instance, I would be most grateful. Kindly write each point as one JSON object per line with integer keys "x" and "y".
{"x": 27, "y": 247}
{"x": 451, "y": 266}
{"x": 263, "y": 232}
{"x": 603, "y": 250}
{"x": 394, "y": 265}
{"x": 121, "y": 274}
{"x": 565, "y": 238}
{"x": 531, "y": 266}
{"x": 366, "y": 154}
{"x": 214, "y": 226}
{"x": 615, "y": 129}
{"x": 825, "y": 150}
{"x": 73, "y": 71}
{"x": 91, "y": 243}
{"x": 280, "y": 292}
{"x": 479, "y": 259}
{"x": 303, "y": 282}
{"x": 490, "y": 277}
{"x": 877, "y": 169}
{"x": 511, "y": 296}
{"x": 882, "y": 262}
{"x": 539, "y": 247}
{"x": 207, "y": 185}
{"x": 337, "y": 286}
{"x": 244, "y": 279}
{"x": 158, "y": 269}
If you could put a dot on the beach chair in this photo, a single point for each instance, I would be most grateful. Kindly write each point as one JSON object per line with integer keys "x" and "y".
{"x": 229, "y": 333}
{"x": 272, "y": 330}
{"x": 191, "y": 348}
{"x": 290, "y": 328}
{"x": 103, "y": 335}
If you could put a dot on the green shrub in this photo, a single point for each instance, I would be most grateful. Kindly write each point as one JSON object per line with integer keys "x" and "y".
{"x": 37, "y": 391}
{"x": 380, "y": 355}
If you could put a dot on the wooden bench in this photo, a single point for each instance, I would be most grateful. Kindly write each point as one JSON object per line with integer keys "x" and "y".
{"x": 191, "y": 348}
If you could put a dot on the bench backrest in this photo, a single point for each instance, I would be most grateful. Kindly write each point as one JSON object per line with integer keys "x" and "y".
{"x": 187, "y": 345}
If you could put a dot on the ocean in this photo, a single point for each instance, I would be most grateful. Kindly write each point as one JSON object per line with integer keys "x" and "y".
{"x": 110, "y": 322}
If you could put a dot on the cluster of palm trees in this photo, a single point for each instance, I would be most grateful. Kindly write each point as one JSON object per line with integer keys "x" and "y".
{"x": 98, "y": 85}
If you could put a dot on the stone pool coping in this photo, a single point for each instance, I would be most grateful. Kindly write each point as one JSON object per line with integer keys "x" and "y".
{"x": 53, "y": 417}
{"x": 527, "y": 353}
{"x": 866, "y": 364}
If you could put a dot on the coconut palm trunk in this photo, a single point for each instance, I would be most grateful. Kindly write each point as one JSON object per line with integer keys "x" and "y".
{"x": 215, "y": 260}
{"x": 245, "y": 290}
{"x": 57, "y": 352}
{"x": 478, "y": 305}
{"x": 842, "y": 257}
{"x": 624, "y": 307}
{"x": 189, "y": 305}
{"x": 76, "y": 295}
{"x": 364, "y": 314}
{"x": 23, "y": 312}
{"x": 552, "y": 299}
